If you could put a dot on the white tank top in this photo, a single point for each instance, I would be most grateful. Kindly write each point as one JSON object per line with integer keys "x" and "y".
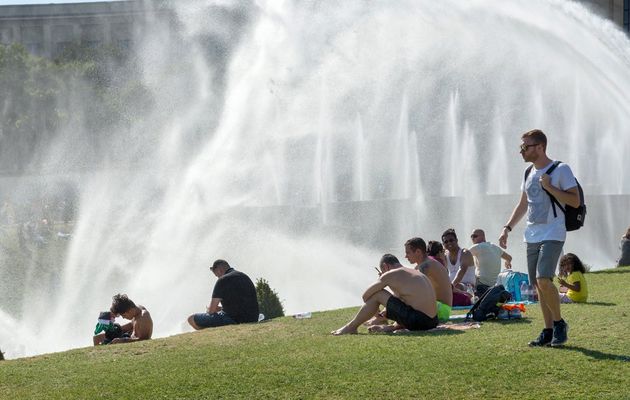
{"x": 469, "y": 276}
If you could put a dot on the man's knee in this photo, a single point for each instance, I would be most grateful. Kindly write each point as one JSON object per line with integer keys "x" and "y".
{"x": 380, "y": 297}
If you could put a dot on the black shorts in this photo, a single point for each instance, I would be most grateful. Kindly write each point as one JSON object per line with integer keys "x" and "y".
{"x": 409, "y": 317}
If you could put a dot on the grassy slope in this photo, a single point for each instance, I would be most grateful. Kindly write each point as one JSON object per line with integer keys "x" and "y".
{"x": 289, "y": 358}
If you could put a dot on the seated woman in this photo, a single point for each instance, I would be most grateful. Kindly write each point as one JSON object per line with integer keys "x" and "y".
{"x": 435, "y": 250}
{"x": 625, "y": 250}
{"x": 573, "y": 289}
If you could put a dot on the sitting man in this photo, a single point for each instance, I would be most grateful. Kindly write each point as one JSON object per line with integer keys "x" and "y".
{"x": 416, "y": 253}
{"x": 412, "y": 304}
{"x": 140, "y": 327}
{"x": 459, "y": 261}
{"x": 487, "y": 261}
{"x": 236, "y": 294}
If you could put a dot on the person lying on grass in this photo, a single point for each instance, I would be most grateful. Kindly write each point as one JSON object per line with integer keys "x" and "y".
{"x": 140, "y": 327}
{"x": 412, "y": 305}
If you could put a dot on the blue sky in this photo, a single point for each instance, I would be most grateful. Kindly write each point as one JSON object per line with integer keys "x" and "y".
{"x": 9, "y": 2}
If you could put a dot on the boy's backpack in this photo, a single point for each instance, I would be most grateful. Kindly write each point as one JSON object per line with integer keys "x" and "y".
{"x": 573, "y": 217}
{"x": 512, "y": 281}
{"x": 489, "y": 304}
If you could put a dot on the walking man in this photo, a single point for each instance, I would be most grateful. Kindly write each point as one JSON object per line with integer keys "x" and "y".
{"x": 545, "y": 232}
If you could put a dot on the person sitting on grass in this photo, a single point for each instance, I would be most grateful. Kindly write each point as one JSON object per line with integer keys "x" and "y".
{"x": 573, "y": 289}
{"x": 435, "y": 251}
{"x": 412, "y": 304}
{"x": 233, "y": 301}
{"x": 416, "y": 253}
{"x": 140, "y": 327}
{"x": 624, "y": 245}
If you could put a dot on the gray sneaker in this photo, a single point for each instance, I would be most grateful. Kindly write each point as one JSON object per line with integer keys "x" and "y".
{"x": 560, "y": 334}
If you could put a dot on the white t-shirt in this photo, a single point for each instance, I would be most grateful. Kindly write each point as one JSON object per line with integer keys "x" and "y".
{"x": 487, "y": 261}
{"x": 541, "y": 224}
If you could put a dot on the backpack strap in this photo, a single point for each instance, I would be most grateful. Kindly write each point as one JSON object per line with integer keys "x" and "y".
{"x": 554, "y": 201}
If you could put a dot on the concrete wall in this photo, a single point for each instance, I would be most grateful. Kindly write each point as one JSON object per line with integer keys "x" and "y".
{"x": 46, "y": 29}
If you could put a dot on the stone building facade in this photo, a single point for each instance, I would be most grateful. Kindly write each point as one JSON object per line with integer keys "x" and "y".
{"x": 46, "y": 29}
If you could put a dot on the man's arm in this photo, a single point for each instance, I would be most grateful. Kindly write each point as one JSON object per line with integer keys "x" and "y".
{"x": 518, "y": 213}
{"x": 375, "y": 287}
{"x": 214, "y": 306}
{"x": 570, "y": 196}
{"x": 467, "y": 262}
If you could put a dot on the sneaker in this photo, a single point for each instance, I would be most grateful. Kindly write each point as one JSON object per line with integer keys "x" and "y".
{"x": 544, "y": 339}
{"x": 560, "y": 334}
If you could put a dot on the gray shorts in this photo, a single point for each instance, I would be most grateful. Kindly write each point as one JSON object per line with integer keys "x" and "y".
{"x": 542, "y": 259}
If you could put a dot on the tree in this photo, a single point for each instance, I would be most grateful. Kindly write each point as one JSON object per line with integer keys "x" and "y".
{"x": 268, "y": 302}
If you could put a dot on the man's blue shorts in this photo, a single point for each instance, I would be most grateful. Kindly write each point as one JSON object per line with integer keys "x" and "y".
{"x": 205, "y": 320}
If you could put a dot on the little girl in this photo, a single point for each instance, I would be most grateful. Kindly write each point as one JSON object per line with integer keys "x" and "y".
{"x": 573, "y": 286}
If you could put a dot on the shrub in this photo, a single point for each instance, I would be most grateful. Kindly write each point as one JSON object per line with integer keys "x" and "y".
{"x": 268, "y": 301}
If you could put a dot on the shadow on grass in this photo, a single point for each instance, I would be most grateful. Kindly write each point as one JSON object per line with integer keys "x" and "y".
{"x": 598, "y": 355}
{"x": 598, "y": 303}
{"x": 509, "y": 321}
{"x": 439, "y": 332}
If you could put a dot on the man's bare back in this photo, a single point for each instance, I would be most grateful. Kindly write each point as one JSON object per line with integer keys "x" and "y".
{"x": 438, "y": 276}
{"x": 413, "y": 288}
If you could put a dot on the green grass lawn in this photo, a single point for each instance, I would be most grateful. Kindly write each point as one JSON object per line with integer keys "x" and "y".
{"x": 288, "y": 358}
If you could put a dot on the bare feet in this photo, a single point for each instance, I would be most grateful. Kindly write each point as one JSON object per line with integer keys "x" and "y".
{"x": 382, "y": 328}
{"x": 376, "y": 320}
{"x": 345, "y": 330}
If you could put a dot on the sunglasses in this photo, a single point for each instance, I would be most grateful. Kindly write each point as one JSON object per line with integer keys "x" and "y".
{"x": 449, "y": 240}
{"x": 474, "y": 236}
{"x": 524, "y": 146}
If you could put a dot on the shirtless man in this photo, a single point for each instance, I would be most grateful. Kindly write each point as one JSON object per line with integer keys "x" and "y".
{"x": 412, "y": 304}
{"x": 416, "y": 253}
{"x": 140, "y": 327}
{"x": 459, "y": 261}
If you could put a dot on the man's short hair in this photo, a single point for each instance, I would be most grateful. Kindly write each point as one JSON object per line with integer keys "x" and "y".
{"x": 389, "y": 259}
{"x": 449, "y": 231}
{"x": 537, "y": 136}
{"x": 121, "y": 304}
{"x": 220, "y": 263}
{"x": 417, "y": 243}
{"x": 434, "y": 248}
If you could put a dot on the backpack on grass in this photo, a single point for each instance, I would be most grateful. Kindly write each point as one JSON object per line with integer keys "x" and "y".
{"x": 489, "y": 304}
{"x": 573, "y": 217}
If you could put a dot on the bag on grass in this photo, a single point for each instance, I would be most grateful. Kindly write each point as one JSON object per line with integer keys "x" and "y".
{"x": 512, "y": 281}
{"x": 489, "y": 304}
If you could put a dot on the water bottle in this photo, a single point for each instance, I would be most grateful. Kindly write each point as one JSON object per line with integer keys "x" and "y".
{"x": 302, "y": 315}
{"x": 524, "y": 292}
{"x": 471, "y": 292}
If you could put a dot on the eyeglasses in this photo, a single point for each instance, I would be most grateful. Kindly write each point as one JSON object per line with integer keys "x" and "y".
{"x": 524, "y": 146}
{"x": 451, "y": 240}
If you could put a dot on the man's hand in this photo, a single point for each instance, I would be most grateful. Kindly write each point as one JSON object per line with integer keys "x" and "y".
{"x": 508, "y": 264}
{"x": 545, "y": 181}
{"x": 503, "y": 239}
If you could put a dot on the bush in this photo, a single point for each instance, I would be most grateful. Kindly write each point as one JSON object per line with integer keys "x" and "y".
{"x": 268, "y": 301}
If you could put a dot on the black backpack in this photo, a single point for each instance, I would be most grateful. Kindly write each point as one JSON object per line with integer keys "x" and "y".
{"x": 573, "y": 217}
{"x": 489, "y": 304}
